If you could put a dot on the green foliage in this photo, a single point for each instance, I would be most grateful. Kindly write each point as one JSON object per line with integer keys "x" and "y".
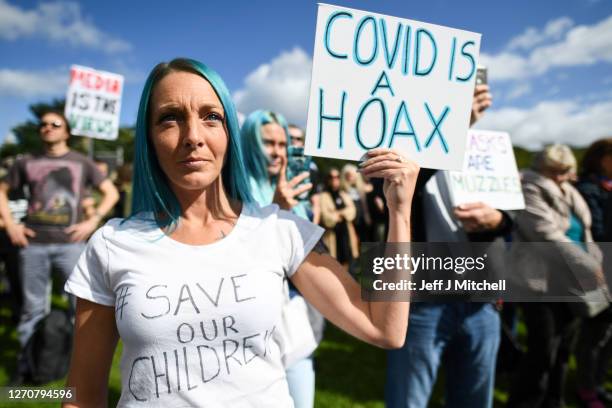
{"x": 324, "y": 164}
{"x": 350, "y": 373}
{"x": 125, "y": 140}
{"x": 26, "y": 133}
{"x": 523, "y": 157}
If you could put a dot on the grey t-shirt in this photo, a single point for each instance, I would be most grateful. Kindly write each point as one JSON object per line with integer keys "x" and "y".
{"x": 55, "y": 186}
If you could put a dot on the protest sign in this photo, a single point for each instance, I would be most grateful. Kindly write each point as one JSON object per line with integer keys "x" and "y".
{"x": 489, "y": 172}
{"x": 93, "y": 102}
{"x": 381, "y": 81}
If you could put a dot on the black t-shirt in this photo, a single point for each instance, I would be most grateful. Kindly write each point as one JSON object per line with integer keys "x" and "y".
{"x": 55, "y": 186}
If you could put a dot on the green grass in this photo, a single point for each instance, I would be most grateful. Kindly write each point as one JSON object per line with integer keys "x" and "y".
{"x": 349, "y": 373}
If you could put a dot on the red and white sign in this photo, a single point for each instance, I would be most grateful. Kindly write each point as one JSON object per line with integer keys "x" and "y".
{"x": 93, "y": 102}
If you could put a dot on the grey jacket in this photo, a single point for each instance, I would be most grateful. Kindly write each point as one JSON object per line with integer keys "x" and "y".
{"x": 552, "y": 262}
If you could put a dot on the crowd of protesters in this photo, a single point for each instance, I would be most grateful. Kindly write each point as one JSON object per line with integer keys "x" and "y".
{"x": 565, "y": 203}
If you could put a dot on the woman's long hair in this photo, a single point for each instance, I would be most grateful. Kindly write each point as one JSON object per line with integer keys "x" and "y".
{"x": 152, "y": 192}
{"x": 255, "y": 158}
{"x": 344, "y": 184}
{"x": 591, "y": 162}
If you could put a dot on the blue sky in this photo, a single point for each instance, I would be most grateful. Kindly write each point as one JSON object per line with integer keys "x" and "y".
{"x": 550, "y": 62}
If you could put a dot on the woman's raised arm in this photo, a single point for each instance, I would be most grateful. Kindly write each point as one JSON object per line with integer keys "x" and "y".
{"x": 329, "y": 287}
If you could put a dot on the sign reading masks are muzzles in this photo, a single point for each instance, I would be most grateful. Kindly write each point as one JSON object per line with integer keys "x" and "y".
{"x": 489, "y": 173}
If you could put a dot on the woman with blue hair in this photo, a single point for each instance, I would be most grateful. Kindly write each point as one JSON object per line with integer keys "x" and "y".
{"x": 192, "y": 281}
{"x": 265, "y": 137}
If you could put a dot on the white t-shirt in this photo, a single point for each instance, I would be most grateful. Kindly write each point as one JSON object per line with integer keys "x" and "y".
{"x": 197, "y": 322}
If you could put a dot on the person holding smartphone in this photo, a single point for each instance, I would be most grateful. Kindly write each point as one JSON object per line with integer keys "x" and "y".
{"x": 266, "y": 136}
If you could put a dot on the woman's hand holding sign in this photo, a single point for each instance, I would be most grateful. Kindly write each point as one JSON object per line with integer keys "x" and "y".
{"x": 327, "y": 285}
{"x": 400, "y": 176}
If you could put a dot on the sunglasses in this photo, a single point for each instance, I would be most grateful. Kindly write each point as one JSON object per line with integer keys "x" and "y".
{"x": 56, "y": 124}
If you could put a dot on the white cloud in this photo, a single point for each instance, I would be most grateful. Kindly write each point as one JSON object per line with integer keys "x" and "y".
{"x": 531, "y": 37}
{"x": 60, "y": 22}
{"x": 503, "y": 66}
{"x": 552, "y": 121}
{"x": 579, "y": 46}
{"x": 519, "y": 90}
{"x": 9, "y": 138}
{"x": 21, "y": 83}
{"x": 281, "y": 85}
{"x": 583, "y": 45}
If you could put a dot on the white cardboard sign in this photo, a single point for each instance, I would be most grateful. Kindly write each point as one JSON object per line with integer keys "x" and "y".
{"x": 382, "y": 81}
{"x": 93, "y": 102}
{"x": 489, "y": 172}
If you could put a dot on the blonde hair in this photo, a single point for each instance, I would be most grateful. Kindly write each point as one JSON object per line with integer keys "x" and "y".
{"x": 359, "y": 183}
{"x": 555, "y": 156}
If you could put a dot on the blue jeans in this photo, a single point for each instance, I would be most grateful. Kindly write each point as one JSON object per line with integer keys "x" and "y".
{"x": 465, "y": 336}
{"x": 301, "y": 379}
{"x": 36, "y": 261}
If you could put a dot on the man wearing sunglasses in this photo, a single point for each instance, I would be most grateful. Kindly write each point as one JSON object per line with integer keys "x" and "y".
{"x": 54, "y": 233}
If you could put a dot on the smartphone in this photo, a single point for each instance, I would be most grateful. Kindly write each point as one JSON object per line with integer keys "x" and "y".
{"x": 297, "y": 164}
{"x": 481, "y": 75}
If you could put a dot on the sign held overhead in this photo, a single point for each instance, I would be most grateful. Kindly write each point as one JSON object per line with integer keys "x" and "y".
{"x": 381, "y": 81}
{"x": 93, "y": 102}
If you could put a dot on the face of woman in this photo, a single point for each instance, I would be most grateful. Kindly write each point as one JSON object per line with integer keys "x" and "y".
{"x": 606, "y": 165}
{"x": 274, "y": 141}
{"x": 558, "y": 175}
{"x": 334, "y": 180}
{"x": 350, "y": 177}
{"x": 187, "y": 128}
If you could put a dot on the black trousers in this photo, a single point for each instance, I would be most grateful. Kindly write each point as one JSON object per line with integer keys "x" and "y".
{"x": 593, "y": 350}
{"x": 9, "y": 255}
{"x": 551, "y": 333}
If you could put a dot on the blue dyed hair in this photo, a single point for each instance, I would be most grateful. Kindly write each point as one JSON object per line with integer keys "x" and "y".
{"x": 151, "y": 190}
{"x": 255, "y": 158}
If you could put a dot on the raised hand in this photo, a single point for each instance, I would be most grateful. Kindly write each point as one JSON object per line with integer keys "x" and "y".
{"x": 482, "y": 101}
{"x": 400, "y": 175}
{"x": 287, "y": 190}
